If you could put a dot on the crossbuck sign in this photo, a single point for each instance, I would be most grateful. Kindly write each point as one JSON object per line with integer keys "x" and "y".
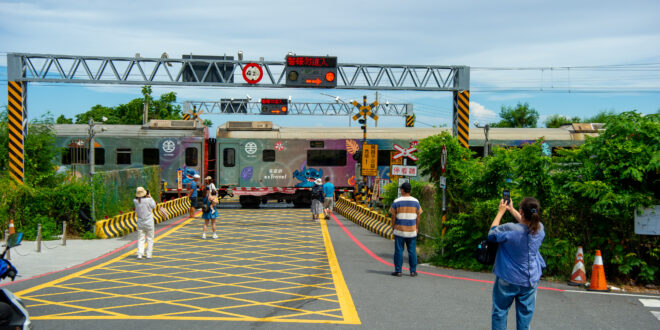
{"x": 404, "y": 152}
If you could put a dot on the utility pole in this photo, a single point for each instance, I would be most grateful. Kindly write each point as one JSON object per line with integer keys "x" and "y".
{"x": 91, "y": 164}
{"x": 486, "y": 144}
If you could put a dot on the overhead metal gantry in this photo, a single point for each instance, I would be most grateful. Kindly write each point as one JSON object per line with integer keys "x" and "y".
{"x": 226, "y": 72}
{"x": 242, "y": 107}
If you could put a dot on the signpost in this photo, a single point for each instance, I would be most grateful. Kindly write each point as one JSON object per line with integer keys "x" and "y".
{"x": 179, "y": 181}
{"x": 443, "y": 185}
{"x": 398, "y": 161}
{"x": 252, "y": 73}
{"x": 370, "y": 160}
{"x": 404, "y": 170}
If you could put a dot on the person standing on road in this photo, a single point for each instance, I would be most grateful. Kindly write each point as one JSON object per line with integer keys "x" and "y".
{"x": 210, "y": 212}
{"x": 329, "y": 197}
{"x": 405, "y": 213}
{"x": 192, "y": 194}
{"x": 317, "y": 199}
{"x": 518, "y": 264}
{"x": 144, "y": 208}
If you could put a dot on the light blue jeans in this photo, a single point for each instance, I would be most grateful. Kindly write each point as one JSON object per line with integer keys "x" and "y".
{"x": 503, "y": 295}
{"x": 411, "y": 243}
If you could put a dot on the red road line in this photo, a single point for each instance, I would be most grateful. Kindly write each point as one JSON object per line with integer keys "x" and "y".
{"x": 95, "y": 259}
{"x": 373, "y": 255}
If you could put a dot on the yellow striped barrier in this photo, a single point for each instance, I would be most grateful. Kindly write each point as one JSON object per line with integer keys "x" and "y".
{"x": 127, "y": 222}
{"x": 363, "y": 216}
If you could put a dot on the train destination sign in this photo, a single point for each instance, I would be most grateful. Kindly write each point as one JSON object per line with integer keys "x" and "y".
{"x": 274, "y": 106}
{"x": 311, "y": 71}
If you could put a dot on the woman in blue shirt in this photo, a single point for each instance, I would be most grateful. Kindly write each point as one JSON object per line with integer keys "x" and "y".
{"x": 518, "y": 264}
{"x": 210, "y": 200}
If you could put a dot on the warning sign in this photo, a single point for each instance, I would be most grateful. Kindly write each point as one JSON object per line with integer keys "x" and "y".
{"x": 370, "y": 160}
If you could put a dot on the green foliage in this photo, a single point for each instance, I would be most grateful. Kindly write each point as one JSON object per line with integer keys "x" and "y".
{"x": 63, "y": 120}
{"x": 588, "y": 197}
{"x": 132, "y": 112}
{"x": 601, "y": 117}
{"x": 555, "y": 121}
{"x": 520, "y": 116}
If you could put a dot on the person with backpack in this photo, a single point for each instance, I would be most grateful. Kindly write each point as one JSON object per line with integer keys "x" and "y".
{"x": 317, "y": 199}
{"x": 209, "y": 213}
{"x": 518, "y": 264}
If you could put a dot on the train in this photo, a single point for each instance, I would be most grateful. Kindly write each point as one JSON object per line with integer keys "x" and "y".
{"x": 259, "y": 161}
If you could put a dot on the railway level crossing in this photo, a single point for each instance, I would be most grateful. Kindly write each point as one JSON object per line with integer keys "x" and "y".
{"x": 220, "y": 72}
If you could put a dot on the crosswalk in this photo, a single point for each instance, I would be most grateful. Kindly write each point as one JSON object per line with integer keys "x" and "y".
{"x": 652, "y": 303}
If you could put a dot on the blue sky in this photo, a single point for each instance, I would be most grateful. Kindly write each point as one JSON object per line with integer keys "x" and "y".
{"x": 573, "y": 58}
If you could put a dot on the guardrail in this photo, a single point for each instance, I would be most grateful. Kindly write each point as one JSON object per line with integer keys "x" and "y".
{"x": 127, "y": 222}
{"x": 365, "y": 217}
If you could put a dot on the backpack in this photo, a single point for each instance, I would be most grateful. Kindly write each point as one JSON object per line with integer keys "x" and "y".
{"x": 486, "y": 252}
{"x": 316, "y": 192}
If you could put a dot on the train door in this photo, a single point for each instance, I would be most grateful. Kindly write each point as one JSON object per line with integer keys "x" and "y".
{"x": 228, "y": 169}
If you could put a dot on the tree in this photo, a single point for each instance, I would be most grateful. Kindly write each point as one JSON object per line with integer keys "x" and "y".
{"x": 601, "y": 117}
{"x": 132, "y": 112}
{"x": 63, "y": 120}
{"x": 521, "y": 116}
{"x": 555, "y": 121}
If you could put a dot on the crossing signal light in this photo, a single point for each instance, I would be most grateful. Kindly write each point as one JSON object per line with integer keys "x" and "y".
{"x": 274, "y": 106}
{"x": 311, "y": 71}
{"x": 363, "y": 122}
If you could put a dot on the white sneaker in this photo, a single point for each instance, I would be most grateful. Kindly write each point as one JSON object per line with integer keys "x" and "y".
{"x": 204, "y": 236}
{"x": 139, "y": 256}
{"x": 215, "y": 236}
{"x": 148, "y": 257}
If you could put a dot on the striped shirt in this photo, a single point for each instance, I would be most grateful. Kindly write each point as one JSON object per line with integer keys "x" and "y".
{"x": 407, "y": 209}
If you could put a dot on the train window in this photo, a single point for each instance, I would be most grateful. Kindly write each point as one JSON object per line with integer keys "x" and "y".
{"x": 191, "y": 156}
{"x": 316, "y": 144}
{"x": 150, "y": 156}
{"x": 229, "y": 157}
{"x": 123, "y": 156}
{"x": 326, "y": 157}
{"x": 99, "y": 156}
{"x": 268, "y": 155}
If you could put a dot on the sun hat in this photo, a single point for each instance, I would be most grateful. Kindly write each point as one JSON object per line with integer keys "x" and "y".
{"x": 140, "y": 192}
{"x": 319, "y": 181}
{"x": 208, "y": 178}
{"x": 196, "y": 176}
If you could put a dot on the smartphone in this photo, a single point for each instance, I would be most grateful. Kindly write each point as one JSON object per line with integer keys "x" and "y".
{"x": 506, "y": 196}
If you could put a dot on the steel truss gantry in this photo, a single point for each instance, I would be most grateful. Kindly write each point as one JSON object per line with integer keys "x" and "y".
{"x": 165, "y": 71}
{"x": 242, "y": 107}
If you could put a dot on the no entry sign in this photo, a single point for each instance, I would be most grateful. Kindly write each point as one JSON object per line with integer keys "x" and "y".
{"x": 443, "y": 159}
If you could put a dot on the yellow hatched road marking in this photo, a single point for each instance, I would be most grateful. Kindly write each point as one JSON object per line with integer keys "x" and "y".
{"x": 307, "y": 275}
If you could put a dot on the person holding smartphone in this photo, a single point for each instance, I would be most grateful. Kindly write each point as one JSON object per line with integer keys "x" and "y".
{"x": 518, "y": 264}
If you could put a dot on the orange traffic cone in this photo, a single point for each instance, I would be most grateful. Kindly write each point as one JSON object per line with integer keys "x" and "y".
{"x": 11, "y": 227}
{"x": 579, "y": 274}
{"x": 598, "y": 282}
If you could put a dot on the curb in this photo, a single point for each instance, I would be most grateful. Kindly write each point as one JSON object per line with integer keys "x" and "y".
{"x": 127, "y": 222}
{"x": 365, "y": 217}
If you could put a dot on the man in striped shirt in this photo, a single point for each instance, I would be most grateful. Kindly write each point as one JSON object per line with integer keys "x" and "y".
{"x": 405, "y": 213}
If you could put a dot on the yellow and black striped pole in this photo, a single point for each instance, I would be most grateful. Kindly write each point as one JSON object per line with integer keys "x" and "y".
{"x": 461, "y": 126}
{"x": 16, "y": 130}
{"x": 410, "y": 121}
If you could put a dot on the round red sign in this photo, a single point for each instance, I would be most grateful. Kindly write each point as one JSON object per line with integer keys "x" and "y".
{"x": 252, "y": 73}
{"x": 443, "y": 159}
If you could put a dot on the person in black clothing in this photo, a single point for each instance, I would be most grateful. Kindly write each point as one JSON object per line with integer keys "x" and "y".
{"x": 317, "y": 199}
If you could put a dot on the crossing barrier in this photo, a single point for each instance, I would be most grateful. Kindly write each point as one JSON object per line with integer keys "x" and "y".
{"x": 365, "y": 217}
{"x": 127, "y": 222}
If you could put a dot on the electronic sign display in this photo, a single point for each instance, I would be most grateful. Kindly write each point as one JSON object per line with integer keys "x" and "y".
{"x": 311, "y": 71}
{"x": 274, "y": 106}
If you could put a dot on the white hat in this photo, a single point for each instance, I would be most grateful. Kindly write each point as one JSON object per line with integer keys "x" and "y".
{"x": 196, "y": 176}
{"x": 140, "y": 192}
{"x": 319, "y": 181}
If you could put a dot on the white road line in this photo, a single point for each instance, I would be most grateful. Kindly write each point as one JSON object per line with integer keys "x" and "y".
{"x": 656, "y": 314}
{"x": 612, "y": 293}
{"x": 650, "y": 302}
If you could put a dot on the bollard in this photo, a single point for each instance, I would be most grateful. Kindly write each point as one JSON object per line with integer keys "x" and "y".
{"x": 39, "y": 238}
{"x": 7, "y": 256}
{"x": 64, "y": 233}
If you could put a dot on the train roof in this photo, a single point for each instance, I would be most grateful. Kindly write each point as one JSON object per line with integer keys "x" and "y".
{"x": 503, "y": 136}
{"x": 130, "y": 130}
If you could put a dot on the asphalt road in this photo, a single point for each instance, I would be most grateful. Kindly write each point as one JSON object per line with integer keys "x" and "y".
{"x": 275, "y": 269}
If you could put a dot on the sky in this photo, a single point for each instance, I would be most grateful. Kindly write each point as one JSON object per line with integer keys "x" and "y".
{"x": 572, "y": 58}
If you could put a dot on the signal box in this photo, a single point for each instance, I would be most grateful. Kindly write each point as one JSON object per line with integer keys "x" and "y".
{"x": 311, "y": 71}
{"x": 274, "y": 106}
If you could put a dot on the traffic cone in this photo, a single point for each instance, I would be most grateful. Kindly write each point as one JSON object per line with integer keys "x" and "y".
{"x": 598, "y": 282}
{"x": 11, "y": 227}
{"x": 579, "y": 274}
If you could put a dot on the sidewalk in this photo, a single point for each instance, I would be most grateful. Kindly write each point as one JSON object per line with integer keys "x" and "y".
{"x": 54, "y": 256}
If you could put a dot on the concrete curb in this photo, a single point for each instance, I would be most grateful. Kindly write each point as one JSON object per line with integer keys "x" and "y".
{"x": 365, "y": 217}
{"x": 127, "y": 222}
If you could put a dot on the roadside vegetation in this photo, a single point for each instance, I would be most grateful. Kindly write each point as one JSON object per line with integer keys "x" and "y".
{"x": 588, "y": 196}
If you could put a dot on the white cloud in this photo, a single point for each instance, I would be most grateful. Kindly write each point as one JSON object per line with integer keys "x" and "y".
{"x": 479, "y": 113}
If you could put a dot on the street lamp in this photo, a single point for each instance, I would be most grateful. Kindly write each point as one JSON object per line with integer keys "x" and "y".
{"x": 486, "y": 129}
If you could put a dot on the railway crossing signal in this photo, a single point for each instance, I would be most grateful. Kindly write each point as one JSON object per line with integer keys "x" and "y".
{"x": 193, "y": 115}
{"x": 365, "y": 110}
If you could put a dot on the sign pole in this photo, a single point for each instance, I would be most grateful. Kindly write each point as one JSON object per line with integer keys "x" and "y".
{"x": 443, "y": 185}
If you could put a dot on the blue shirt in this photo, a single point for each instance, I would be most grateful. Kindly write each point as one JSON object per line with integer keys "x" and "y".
{"x": 328, "y": 189}
{"x": 518, "y": 258}
{"x": 212, "y": 213}
{"x": 193, "y": 187}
